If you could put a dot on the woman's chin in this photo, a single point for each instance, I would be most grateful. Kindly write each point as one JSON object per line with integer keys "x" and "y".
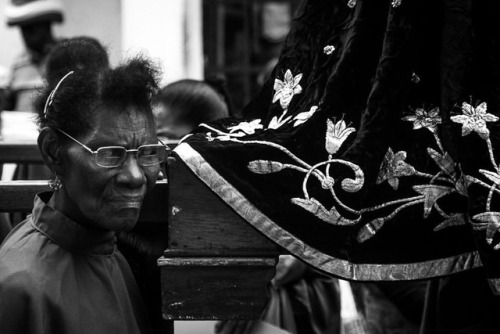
{"x": 124, "y": 219}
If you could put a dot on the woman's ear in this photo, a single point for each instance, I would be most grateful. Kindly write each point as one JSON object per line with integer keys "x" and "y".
{"x": 50, "y": 146}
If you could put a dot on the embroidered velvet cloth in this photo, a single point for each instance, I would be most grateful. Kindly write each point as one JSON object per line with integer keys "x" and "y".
{"x": 371, "y": 152}
{"x": 57, "y": 276}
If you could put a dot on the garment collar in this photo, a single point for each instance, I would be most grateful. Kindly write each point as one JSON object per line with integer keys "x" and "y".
{"x": 69, "y": 234}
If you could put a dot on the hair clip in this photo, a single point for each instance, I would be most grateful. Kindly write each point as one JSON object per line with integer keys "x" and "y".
{"x": 53, "y": 93}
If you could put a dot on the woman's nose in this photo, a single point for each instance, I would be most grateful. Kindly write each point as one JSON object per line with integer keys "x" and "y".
{"x": 132, "y": 174}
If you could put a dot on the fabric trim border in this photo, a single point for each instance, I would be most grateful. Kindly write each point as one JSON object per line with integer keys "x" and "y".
{"x": 308, "y": 254}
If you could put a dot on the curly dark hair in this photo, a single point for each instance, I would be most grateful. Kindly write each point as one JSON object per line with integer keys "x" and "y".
{"x": 91, "y": 85}
{"x": 75, "y": 53}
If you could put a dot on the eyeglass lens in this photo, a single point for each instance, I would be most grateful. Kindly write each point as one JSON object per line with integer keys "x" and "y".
{"x": 114, "y": 156}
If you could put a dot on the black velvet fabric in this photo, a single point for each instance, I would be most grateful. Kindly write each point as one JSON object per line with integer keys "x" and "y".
{"x": 390, "y": 62}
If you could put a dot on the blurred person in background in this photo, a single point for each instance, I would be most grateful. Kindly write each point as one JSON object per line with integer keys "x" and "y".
{"x": 34, "y": 18}
{"x": 182, "y": 105}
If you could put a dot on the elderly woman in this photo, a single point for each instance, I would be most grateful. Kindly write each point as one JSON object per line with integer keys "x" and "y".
{"x": 60, "y": 271}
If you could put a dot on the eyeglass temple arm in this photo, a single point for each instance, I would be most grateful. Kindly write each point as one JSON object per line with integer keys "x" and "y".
{"x": 166, "y": 146}
{"x": 77, "y": 141}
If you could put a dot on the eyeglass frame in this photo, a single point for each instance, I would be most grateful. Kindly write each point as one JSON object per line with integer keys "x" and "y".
{"x": 94, "y": 153}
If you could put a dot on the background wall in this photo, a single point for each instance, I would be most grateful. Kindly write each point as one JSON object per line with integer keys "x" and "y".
{"x": 95, "y": 18}
{"x": 168, "y": 31}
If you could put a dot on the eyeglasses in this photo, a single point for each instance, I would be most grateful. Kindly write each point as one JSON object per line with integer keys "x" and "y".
{"x": 115, "y": 156}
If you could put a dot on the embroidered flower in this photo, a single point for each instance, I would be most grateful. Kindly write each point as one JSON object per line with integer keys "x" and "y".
{"x": 396, "y": 3}
{"x": 425, "y": 119}
{"x": 336, "y": 134}
{"x": 248, "y": 128}
{"x": 351, "y": 3}
{"x": 474, "y": 119}
{"x": 415, "y": 78}
{"x": 394, "y": 167}
{"x": 328, "y": 50}
{"x": 304, "y": 116}
{"x": 286, "y": 89}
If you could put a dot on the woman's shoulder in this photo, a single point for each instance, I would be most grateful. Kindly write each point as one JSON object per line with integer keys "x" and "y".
{"x": 21, "y": 253}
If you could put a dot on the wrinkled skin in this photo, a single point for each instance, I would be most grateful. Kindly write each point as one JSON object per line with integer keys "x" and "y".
{"x": 107, "y": 198}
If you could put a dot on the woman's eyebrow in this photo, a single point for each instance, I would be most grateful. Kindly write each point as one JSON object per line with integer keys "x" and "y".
{"x": 105, "y": 142}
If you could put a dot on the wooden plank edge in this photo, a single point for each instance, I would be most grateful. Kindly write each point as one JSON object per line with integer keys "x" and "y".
{"x": 218, "y": 261}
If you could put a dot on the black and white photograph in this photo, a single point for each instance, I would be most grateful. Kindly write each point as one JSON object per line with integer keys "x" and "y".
{"x": 250, "y": 167}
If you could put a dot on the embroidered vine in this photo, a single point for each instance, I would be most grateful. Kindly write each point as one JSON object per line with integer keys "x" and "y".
{"x": 449, "y": 178}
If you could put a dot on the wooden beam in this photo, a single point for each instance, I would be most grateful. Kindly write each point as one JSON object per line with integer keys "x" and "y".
{"x": 18, "y": 196}
{"x": 213, "y": 288}
{"x": 200, "y": 223}
{"x": 11, "y": 152}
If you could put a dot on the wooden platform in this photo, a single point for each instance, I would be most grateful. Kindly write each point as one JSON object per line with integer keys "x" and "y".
{"x": 216, "y": 265}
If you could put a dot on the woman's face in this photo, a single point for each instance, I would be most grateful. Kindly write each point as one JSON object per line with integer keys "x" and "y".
{"x": 108, "y": 198}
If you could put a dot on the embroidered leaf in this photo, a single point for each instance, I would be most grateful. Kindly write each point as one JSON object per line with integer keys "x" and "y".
{"x": 445, "y": 162}
{"x": 393, "y": 182}
{"x": 276, "y": 122}
{"x": 246, "y": 127}
{"x": 354, "y": 185}
{"x": 456, "y": 219}
{"x": 369, "y": 230}
{"x": 331, "y": 216}
{"x": 493, "y": 177}
{"x": 304, "y": 116}
{"x": 492, "y": 219}
{"x": 265, "y": 166}
{"x": 462, "y": 184}
{"x": 432, "y": 193}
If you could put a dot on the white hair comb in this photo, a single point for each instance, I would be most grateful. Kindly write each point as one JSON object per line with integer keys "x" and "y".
{"x": 53, "y": 93}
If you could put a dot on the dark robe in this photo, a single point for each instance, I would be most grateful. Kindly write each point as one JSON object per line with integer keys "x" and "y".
{"x": 372, "y": 151}
{"x": 57, "y": 276}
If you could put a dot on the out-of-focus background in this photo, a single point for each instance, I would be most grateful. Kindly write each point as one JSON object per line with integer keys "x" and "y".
{"x": 233, "y": 39}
